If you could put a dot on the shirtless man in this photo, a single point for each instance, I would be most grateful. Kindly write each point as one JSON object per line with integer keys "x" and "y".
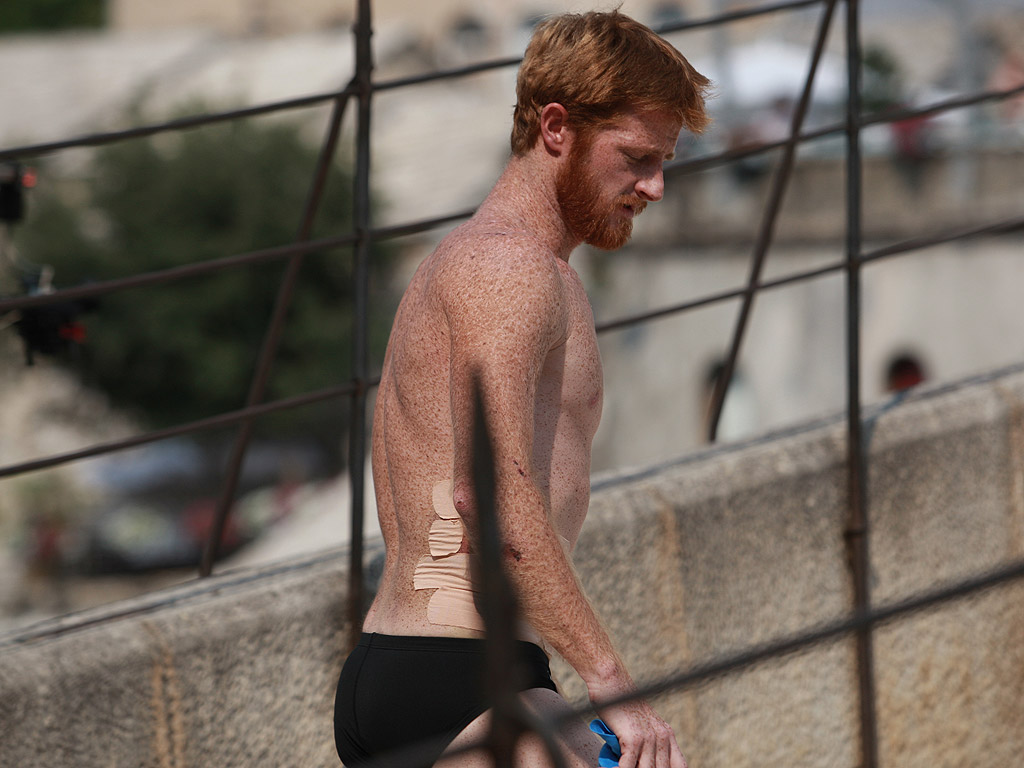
{"x": 601, "y": 102}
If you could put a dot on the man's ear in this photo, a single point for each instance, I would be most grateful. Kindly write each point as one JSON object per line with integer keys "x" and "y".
{"x": 555, "y": 132}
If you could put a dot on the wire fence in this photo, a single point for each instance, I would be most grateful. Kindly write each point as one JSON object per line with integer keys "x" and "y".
{"x": 358, "y": 94}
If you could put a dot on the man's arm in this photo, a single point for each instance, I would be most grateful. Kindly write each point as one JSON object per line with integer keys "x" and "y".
{"x": 505, "y": 316}
{"x": 506, "y": 312}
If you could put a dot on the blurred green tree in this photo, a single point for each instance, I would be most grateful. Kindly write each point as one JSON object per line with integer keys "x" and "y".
{"x": 188, "y": 349}
{"x": 49, "y": 15}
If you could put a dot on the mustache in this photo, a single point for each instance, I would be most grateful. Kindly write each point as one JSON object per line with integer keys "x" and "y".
{"x": 634, "y": 202}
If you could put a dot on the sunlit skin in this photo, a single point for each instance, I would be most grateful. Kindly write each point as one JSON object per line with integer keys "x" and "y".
{"x": 498, "y": 303}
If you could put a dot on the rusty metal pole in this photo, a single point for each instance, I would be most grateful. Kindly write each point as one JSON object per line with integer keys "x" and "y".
{"x": 272, "y": 340}
{"x": 766, "y": 232}
{"x": 498, "y": 604}
{"x": 360, "y": 343}
{"x": 857, "y": 527}
{"x": 499, "y": 608}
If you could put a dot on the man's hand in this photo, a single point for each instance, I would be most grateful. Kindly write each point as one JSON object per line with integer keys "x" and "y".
{"x": 645, "y": 739}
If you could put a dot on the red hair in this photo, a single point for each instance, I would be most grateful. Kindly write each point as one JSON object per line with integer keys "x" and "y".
{"x": 598, "y": 66}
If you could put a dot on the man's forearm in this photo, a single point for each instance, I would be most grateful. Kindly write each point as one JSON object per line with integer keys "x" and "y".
{"x": 553, "y": 601}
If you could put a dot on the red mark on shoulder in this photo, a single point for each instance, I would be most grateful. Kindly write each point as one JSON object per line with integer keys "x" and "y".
{"x": 515, "y": 553}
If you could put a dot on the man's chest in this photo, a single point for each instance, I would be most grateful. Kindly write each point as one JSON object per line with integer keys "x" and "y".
{"x": 571, "y": 389}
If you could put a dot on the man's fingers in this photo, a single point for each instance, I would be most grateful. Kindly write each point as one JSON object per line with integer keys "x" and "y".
{"x": 645, "y": 739}
{"x": 676, "y": 759}
{"x": 663, "y": 746}
{"x": 629, "y": 755}
{"x": 648, "y": 753}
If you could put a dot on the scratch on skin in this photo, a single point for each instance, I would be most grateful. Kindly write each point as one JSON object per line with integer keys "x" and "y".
{"x": 514, "y": 552}
{"x": 522, "y": 472}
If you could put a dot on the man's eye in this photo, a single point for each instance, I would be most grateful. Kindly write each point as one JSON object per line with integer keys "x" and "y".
{"x": 645, "y": 159}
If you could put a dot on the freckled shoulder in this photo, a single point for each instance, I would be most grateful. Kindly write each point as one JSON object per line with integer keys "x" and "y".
{"x": 494, "y": 278}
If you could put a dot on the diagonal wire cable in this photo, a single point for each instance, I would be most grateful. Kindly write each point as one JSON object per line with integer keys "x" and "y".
{"x": 219, "y": 421}
{"x": 1007, "y": 575}
{"x": 179, "y": 124}
{"x": 780, "y": 182}
{"x": 272, "y": 339}
{"x": 1004, "y": 227}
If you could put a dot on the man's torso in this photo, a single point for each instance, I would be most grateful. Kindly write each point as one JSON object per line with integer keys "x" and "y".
{"x": 413, "y": 435}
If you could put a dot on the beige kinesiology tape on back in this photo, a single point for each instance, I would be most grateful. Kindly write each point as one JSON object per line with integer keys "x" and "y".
{"x": 447, "y": 568}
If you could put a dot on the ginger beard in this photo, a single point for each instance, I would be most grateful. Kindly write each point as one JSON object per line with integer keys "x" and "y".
{"x": 592, "y": 220}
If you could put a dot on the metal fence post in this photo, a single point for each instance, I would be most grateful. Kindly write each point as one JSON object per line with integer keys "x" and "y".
{"x": 360, "y": 346}
{"x": 857, "y": 527}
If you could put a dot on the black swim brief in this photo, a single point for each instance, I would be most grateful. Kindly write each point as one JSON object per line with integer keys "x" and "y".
{"x": 396, "y": 691}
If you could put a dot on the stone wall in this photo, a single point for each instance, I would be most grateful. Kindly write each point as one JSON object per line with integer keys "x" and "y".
{"x": 686, "y": 563}
{"x": 703, "y": 559}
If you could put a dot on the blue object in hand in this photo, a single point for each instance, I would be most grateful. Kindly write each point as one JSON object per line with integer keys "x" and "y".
{"x": 610, "y": 752}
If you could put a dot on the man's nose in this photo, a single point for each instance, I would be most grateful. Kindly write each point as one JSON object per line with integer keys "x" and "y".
{"x": 652, "y": 188}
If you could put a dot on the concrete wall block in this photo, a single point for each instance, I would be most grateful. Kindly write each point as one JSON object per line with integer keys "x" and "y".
{"x": 951, "y": 682}
{"x": 800, "y": 710}
{"x": 740, "y": 548}
{"x": 1011, "y": 389}
{"x": 939, "y": 486}
{"x": 77, "y": 702}
{"x": 240, "y": 676}
{"x": 758, "y": 553}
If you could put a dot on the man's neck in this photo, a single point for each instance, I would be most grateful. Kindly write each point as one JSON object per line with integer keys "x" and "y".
{"x": 524, "y": 199}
